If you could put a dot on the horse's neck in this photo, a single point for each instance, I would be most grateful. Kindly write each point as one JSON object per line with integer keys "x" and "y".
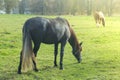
{"x": 73, "y": 41}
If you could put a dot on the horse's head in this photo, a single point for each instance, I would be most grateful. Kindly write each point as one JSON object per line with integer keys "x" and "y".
{"x": 77, "y": 53}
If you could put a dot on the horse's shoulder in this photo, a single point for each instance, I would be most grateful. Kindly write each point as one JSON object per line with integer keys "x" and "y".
{"x": 60, "y": 18}
{"x": 37, "y": 19}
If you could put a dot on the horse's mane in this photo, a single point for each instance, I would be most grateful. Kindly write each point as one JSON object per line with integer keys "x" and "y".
{"x": 73, "y": 37}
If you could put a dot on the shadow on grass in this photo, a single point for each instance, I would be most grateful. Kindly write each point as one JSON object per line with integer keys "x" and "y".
{"x": 13, "y": 75}
{"x": 7, "y": 75}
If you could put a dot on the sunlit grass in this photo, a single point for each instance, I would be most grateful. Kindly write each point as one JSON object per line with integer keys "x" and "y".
{"x": 100, "y": 51}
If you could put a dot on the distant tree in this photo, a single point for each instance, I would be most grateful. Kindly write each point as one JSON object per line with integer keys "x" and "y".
{"x": 37, "y": 6}
{"x": 110, "y": 7}
{"x": 21, "y": 6}
{"x": 82, "y": 8}
{"x": 116, "y": 5}
{"x": 60, "y": 7}
{"x": 89, "y": 7}
{"x": 1, "y": 4}
{"x": 10, "y": 4}
{"x": 24, "y": 6}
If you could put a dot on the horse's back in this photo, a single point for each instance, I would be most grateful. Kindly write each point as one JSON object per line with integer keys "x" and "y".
{"x": 48, "y": 30}
{"x": 98, "y": 15}
{"x": 101, "y": 14}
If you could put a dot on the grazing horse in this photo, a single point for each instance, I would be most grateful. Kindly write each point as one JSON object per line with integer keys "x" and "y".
{"x": 99, "y": 16}
{"x": 50, "y": 31}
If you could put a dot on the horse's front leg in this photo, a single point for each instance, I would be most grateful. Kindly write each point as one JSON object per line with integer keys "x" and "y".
{"x": 61, "y": 55}
{"x": 55, "y": 54}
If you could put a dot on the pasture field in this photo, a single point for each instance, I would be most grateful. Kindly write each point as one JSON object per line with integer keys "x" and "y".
{"x": 100, "y": 55}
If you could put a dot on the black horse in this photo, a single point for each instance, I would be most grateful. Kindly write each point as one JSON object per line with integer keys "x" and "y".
{"x": 49, "y": 31}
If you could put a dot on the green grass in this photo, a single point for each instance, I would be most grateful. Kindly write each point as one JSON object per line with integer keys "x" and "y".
{"x": 101, "y": 54}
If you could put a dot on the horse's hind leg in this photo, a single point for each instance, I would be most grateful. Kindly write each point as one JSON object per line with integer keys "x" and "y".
{"x": 34, "y": 62}
{"x": 20, "y": 64}
{"x": 36, "y": 47}
{"x": 55, "y": 54}
{"x": 35, "y": 50}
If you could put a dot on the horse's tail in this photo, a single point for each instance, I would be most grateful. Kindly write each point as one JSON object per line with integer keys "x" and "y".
{"x": 27, "y": 52}
{"x": 103, "y": 22}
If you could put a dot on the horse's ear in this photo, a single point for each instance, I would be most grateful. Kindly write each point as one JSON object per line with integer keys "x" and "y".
{"x": 81, "y": 43}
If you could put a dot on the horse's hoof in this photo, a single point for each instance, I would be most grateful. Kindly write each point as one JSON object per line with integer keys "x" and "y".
{"x": 55, "y": 65}
{"x": 79, "y": 61}
{"x": 19, "y": 72}
{"x": 36, "y": 70}
{"x": 61, "y": 68}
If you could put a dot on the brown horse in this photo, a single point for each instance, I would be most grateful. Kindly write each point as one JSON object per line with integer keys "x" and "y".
{"x": 49, "y": 31}
{"x": 99, "y": 17}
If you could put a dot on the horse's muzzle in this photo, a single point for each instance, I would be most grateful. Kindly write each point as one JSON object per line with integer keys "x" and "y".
{"x": 79, "y": 60}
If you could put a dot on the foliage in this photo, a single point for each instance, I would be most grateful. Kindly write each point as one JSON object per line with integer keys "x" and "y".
{"x": 71, "y": 6}
{"x": 100, "y": 56}
{"x": 10, "y": 4}
{"x": 1, "y": 4}
{"x": 58, "y": 7}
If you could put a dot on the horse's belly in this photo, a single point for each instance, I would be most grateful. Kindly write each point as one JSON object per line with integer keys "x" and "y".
{"x": 50, "y": 41}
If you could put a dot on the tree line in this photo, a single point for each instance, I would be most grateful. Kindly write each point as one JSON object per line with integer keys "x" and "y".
{"x": 60, "y": 7}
